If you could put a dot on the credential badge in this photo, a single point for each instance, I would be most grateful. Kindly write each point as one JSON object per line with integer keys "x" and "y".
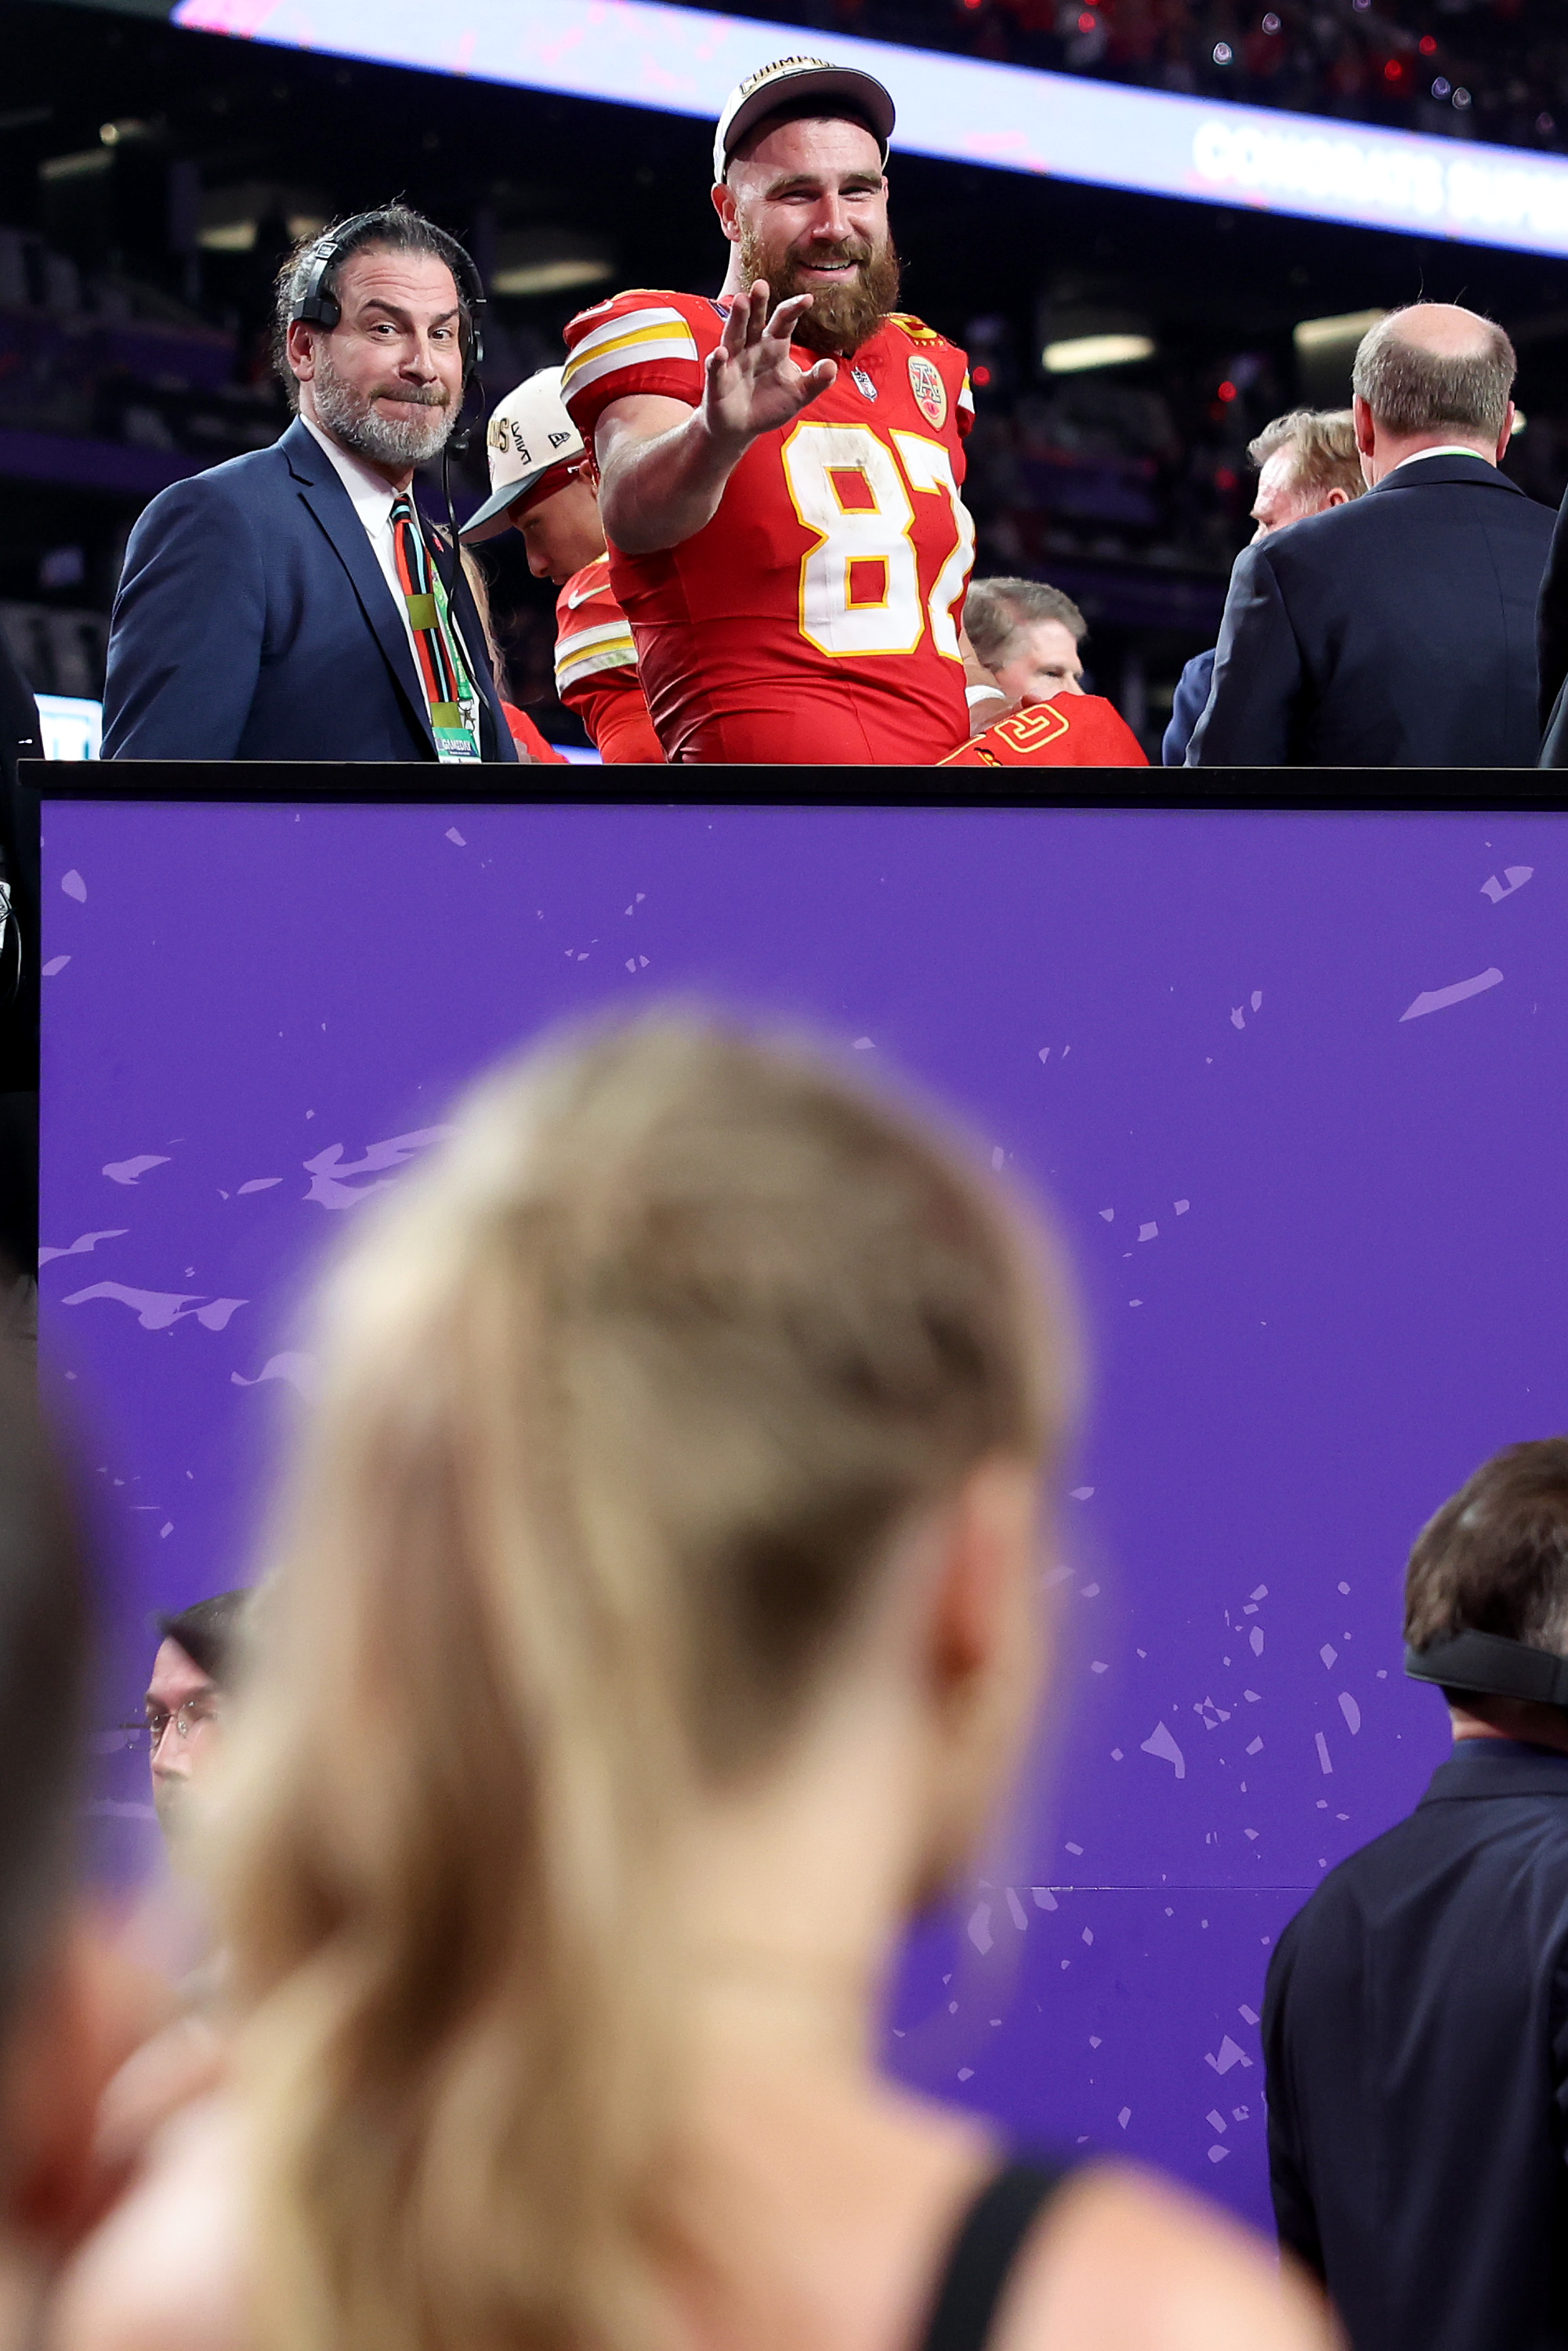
{"x": 930, "y": 392}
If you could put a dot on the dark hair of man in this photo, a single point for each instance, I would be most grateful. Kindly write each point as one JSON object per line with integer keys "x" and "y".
{"x": 43, "y": 1670}
{"x": 1495, "y": 1557}
{"x": 1410, "y": 390}
{"x": 209, "y": 1633}
{"x": 995, "y": 611}
{"x": 390, "y": 228}
{"x": 1323, "y": 441}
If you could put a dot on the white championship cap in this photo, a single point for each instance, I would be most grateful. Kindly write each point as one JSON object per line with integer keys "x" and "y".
{"x": 529, "y": 433}
{"x": 792, "y": 77}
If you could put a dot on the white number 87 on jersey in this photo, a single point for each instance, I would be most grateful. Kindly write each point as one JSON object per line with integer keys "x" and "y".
{"x": 860, "y": 585}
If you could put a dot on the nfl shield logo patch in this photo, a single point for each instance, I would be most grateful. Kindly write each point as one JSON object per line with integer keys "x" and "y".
{"x": 864, "y": 383}
{"x": 930, "y": 392}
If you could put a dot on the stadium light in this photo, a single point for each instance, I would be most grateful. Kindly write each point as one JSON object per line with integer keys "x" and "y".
{"x": 681, "y": 60}
{"x": 546, "y": 261}
{"x": 1323, "y": 334}
{"x": 1079, "y": 352}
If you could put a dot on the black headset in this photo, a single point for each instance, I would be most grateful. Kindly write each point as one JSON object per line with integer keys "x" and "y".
{"x": 1498, "y": 1667}
{"x": 311, "y": 302}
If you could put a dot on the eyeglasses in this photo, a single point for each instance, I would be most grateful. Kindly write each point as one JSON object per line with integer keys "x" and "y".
{"x": 145, "y": 1738}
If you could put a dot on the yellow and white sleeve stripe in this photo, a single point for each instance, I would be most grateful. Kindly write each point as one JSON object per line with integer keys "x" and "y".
{"x": 586, "y": 651}
{"x": 966, "y": 394}
{"x": 630, "y": 340}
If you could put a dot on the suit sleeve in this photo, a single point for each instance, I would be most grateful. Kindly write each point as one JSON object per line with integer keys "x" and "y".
{"x": 1552, "y": 619}
{"x": 186, "y": 639}
{"x": 1258, "y": 674}
{"x": 1295, "y": 2216}
{"x": 1187, "y": 707}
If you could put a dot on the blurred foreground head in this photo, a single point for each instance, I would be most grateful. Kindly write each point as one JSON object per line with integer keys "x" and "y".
{"x": 68, "y": 2010}
{"x": 43, "y": 1668}
{"x": 668, "y": 1520}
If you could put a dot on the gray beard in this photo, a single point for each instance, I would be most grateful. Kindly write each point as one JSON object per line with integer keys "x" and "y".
{"x": 355, "y": 421}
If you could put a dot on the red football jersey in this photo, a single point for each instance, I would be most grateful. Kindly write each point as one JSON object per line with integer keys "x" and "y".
{"x": 1077, "y": 730}
{"x": 596, "y": 668}
{"x": 815, "y": 619}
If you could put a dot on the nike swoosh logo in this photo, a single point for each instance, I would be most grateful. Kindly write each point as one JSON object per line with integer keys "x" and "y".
{"x": 583, "y": 594}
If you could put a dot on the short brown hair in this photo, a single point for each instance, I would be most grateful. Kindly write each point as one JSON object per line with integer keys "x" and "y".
{"x": 1495, "y": 1558}
{"x": 1410, "y": 389}
{"x": 1323, "y": 441}
{"x": 996, "y": 609}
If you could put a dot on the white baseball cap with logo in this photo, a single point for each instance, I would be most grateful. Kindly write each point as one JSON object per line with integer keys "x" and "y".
{"x": 800, "y": 77}
{"x": 528, "y": 435}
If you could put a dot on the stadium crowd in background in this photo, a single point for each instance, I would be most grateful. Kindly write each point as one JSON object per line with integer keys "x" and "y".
{"x": 1473, "y": 68}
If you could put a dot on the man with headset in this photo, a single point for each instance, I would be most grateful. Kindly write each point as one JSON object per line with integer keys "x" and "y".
{"x": 1415, "y": 2024}
{"x": 292, "y": 603}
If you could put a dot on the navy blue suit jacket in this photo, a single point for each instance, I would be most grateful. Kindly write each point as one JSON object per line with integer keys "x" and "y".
{"x": 1551, "y": 646}
{"x": 253, "y": 622}
{"x": 1395, "y": 632}
{"x": 1415, "y": 2034}
{"x": 1187, "y": 707}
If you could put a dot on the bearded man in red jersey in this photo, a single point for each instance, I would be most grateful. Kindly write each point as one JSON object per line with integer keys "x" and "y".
{"x": 781, "y": 468}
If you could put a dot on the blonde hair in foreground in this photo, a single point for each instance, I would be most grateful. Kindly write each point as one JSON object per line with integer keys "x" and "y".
{"x": 628, "y": 1394}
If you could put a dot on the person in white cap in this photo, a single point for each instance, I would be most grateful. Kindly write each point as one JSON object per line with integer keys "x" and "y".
{"x": 780, "y": 469}
{"x": 541, "y": 485}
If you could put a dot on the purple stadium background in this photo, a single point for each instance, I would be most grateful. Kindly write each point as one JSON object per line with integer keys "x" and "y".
{"x": 1295, "y": 1086}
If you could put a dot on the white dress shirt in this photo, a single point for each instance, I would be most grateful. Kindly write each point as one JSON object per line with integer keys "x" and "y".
{"x": 373, "y": 498}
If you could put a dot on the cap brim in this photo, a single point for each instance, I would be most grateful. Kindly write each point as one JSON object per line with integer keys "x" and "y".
{"x": 500, "y": 508}
{"x": 860, "y": 91}
{"x": 495, "y": 515}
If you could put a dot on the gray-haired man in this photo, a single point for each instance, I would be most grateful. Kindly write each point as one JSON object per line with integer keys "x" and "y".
{"x": 1398, "y": 631}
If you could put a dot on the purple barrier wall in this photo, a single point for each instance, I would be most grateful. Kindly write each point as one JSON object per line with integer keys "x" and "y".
{"x": 1294, "y": 1083}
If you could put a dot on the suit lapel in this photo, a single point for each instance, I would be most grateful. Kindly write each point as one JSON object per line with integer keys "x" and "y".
{"x": 329, "y": 502}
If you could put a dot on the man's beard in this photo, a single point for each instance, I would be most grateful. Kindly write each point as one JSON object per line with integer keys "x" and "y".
{"x": 352, "y": 417}
{"x": 841, "y": 318}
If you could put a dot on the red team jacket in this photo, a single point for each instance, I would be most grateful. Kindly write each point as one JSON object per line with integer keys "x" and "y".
{"x": 1079, "y": 730}
{"x": 596, "y": 668}
{"x": 815, "y": 619}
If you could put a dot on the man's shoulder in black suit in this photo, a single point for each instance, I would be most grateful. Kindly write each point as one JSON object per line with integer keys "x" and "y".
{"x": 1491, "y": 1806}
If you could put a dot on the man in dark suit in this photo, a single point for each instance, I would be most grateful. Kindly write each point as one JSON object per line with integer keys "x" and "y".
{"x": 1415, "y": 2023}
{"x": 1398, "y": 631}
{"x": 289, "y": 604}
{"x": 1307, "y": 462}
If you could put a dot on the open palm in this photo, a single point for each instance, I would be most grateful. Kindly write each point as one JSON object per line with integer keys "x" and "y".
{"x": 752, "y": 383}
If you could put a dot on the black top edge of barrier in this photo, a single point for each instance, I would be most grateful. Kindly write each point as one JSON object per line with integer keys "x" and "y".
{"x": 1369, "y": 791}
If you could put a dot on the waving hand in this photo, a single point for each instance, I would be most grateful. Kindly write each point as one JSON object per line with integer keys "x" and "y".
{"x": 753, "y": 384}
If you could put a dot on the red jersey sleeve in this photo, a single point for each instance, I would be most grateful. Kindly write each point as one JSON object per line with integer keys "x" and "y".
{"x": 622, "y": 732}
{"x": 596, "y": 668}
{"x": 1079, "y": 730}
{"x": 640, "y": 342}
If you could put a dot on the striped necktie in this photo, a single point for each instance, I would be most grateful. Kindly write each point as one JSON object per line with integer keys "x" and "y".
{"x": 446, "y": 680}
